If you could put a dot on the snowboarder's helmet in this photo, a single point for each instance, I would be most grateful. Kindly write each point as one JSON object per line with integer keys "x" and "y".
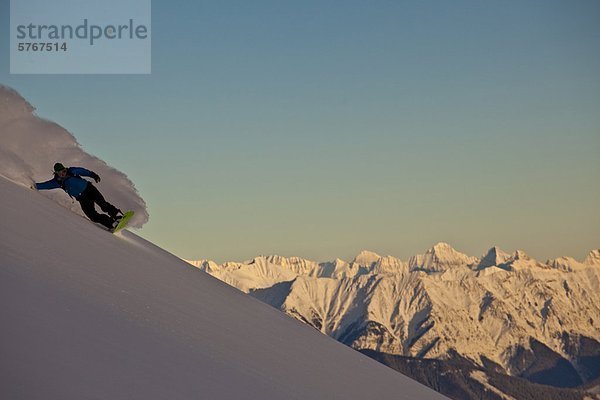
{"x": 58, "y": 167}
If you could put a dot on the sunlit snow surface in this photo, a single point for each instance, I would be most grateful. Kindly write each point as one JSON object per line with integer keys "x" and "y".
{"x": 86, "y": 314}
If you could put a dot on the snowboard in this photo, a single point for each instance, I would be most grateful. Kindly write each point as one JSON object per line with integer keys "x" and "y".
{"x": 123, "y": 222}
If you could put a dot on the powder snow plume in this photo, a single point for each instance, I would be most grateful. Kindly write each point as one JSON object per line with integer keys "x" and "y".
{"x": 30, "y": 145}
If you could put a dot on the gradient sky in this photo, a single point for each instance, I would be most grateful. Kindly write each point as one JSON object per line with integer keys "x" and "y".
{"x": 320, "y": 128}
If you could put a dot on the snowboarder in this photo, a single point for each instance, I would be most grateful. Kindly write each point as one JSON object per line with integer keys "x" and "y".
{"x": 71, "y": 181}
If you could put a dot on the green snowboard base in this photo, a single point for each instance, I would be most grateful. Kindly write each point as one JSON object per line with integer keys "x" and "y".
{"x": 123, "y": 222}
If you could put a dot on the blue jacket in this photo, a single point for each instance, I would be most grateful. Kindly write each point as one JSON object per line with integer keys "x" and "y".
{"x": 73, "y": 184}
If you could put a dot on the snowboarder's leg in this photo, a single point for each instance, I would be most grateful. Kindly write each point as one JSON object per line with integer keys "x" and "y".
{"x": 87, "y": 205}
{"x": 103, "y": 204}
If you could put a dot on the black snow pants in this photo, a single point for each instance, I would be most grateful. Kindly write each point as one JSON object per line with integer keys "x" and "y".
{"x": 92, "y": 196}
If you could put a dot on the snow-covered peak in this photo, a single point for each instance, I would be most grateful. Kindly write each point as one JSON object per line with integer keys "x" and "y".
{"x": 493, "y": 257}
{"x": 339, "y": 262}
{"x": 205, "y": 265}
{"x": 521, "y": 260}
{"x": 390, "y": 265}
{"x": 593, "y": 258}
{"x": 521, "y": 255}
{"x": 366, "y": 258}
{"x": 441, "y": 247}
{"x": 257, "y": 273}
{"x": 336, "y": 269}
{"x": 297, "y": 265}
{"x": 439, "y": 258}
{"x": 565, "y": 263}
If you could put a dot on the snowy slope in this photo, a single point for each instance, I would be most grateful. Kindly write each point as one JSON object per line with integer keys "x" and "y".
{"x": 504, "y": 307}
{"x": 89, "y": 315}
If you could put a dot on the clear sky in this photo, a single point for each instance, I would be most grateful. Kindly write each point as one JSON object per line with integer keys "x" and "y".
{"x": 320, "y": 128}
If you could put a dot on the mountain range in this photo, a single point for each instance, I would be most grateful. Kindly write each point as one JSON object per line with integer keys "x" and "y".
{"x": 502, "y": 315}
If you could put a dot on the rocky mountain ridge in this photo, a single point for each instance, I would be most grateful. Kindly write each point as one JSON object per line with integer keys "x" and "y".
{"x": 507, "y": 309}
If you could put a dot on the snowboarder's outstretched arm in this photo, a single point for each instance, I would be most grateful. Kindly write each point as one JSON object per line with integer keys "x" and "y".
{"x": 51, "y": 184}
{"x": 80, "y": 171}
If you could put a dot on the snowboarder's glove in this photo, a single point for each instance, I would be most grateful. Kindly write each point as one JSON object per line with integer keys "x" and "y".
{"x": 32, "y": 187}
{"x": 96, "y": 177}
